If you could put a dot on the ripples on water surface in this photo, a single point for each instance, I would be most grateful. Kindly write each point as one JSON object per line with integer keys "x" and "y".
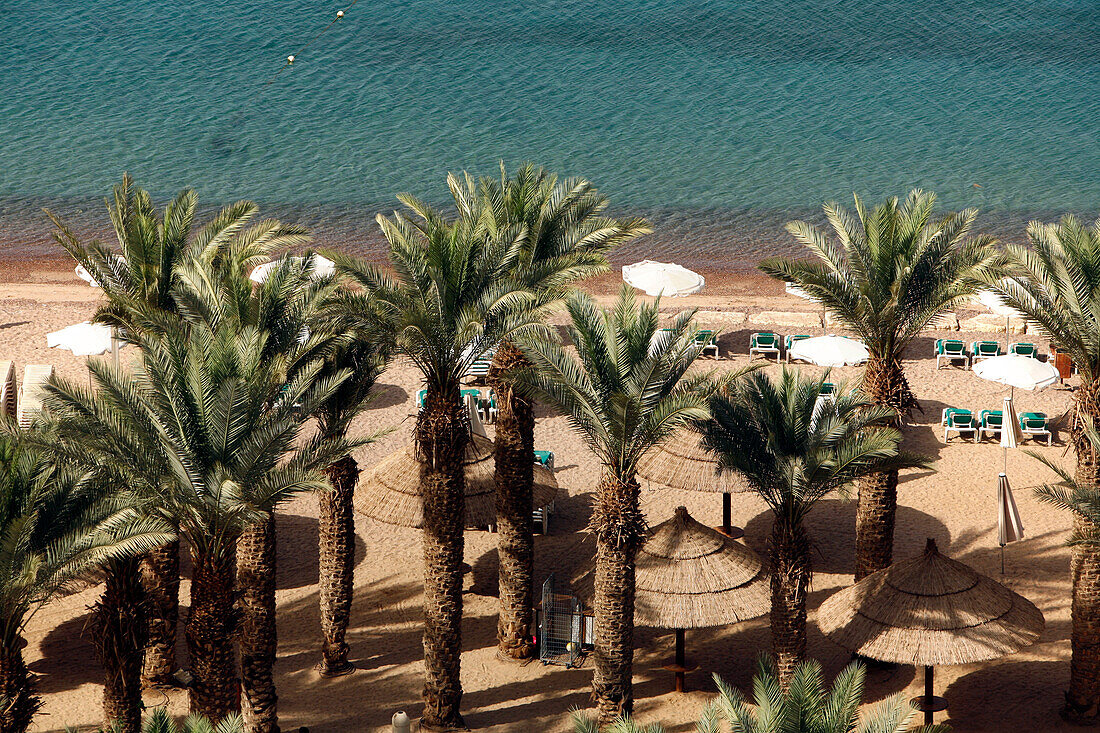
{"x": 722, "y": 120}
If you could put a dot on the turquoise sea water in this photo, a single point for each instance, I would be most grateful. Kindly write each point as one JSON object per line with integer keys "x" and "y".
{"x": 719, "y": 119}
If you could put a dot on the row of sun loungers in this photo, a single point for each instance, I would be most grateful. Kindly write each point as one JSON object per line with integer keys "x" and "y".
{"x": 953, "y": 350}
{"x": 988, "y": 423}
{"x": 767, "y": 344}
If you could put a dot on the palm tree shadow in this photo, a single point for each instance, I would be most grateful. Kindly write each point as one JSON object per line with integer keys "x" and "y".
{"x": 832, "y": 529}
{"x": 387, "y": 395}
{"x": 1028, "y": 695}
{"x": 68, "y": 657}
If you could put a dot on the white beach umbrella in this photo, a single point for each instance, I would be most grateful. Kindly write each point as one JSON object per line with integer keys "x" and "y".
{"x": 83, "y": 339}
{"x": 1017, "y": 371}
{"x": 83, "y": 274}
{"x": 796, "y": 291}
{"x": 1010, "y": 429}
{"x": 321, "y": 267}
{"x": 1009, "y": 526}
{"x": 663, "y": 278}
{"x": 830, "y": 351}
{"x": 476, "y": 426}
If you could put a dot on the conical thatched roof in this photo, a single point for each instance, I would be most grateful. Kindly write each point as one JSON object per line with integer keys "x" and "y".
{"x": 390, "y": 490}
{"x": 681, "y": 462}
{"x": 928, "y": 611}
{"x": 689, "y": 576}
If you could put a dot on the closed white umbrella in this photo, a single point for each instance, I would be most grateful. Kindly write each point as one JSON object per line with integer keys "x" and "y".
{"x": 477, "y": 427}
{"x": 1009, "y": 526}
{"x": 1017, "y": 371}
{"x": 321, "y": 267}
{"x": 1010, "y": 428}
{"x": 830, "y": 351}
{"x": 663, "y": 278}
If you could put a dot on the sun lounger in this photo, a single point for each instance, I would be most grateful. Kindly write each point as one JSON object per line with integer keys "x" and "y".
{"x": 33, "y": 392}
{"x": 989, "y": 423}
{"x": 545, "y": 457}
{"x": 765, "y": 344}
{"x": 9, "y": 399}
{"x": 709, "y": 341}
{"x": 828, "y": 388}
{"x": 983, "y": 350}
{"x": 958, "y": 421}
{"x": 1036, "y": 425}
{"x": 488, "y": 406}
{"x": 1022, "y": 348}
{"x": 479, "y": 369}
{"x": 951, "y": 350}
{"x": 789, "y": 341}
{"x": 541, "y": 515}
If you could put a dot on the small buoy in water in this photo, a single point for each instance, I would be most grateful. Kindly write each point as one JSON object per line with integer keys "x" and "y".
{"x": 976, "y": 185}
{"x": 290, "y": 59}
{"x": 339, "y": 14}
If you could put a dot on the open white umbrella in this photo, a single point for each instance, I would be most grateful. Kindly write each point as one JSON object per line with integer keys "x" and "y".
{"x": 83, "y": 274}
{"x": 663, "y": 278}
{"x": 992, "y": 300}
{"x": 796, "y": 291}
{"x": 830, "y": 351}
{"x": 1017, "y": 371}
{"x": 83, "y": 339}
{"x": 321, "y": 267}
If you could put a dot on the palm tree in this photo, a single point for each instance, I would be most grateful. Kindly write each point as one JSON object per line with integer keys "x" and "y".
{"x": 891, "y": 272}
{"x": 805, "y": 708}
{"x": 137, "y": 279}
{"x": 452, "y": 299}
{"x": 624, "y": 393}
{"x": 57, "y": 525}
{"x": 196, "y": 425}
{"x": 793, "y": 449}
{"x": 565, "y": 238}
{"x": 160, "y": 722}
{"x": 364, "y": 357}
{"x": 1057, "y": 287}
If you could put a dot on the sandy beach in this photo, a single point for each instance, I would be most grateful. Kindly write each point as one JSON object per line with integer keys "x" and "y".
{"x": 955, "y": 505}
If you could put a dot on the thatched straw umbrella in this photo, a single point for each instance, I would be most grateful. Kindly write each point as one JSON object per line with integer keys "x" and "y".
{"x": 688, "y": 576}
{"x": 930, "y": 610}
{"x": 681, "y": 462}
{"x": 390, "y": 490}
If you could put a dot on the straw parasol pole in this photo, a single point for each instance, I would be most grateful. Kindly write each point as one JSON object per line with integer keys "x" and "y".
{"x": 390, "y": 490}
{"x": 928, "y": 611}
{"x": 683, "y": 462}
{"x": 689, "y": 576}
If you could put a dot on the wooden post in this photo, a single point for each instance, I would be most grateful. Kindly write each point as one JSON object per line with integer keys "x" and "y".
{"x": 929, "y": 696}
{"x": 727, "y": 513}
{"x": 680, "y": 659}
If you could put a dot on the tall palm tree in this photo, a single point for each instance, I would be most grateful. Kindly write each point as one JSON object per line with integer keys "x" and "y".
{"x": 625, "y": 392}
{"x": 452, "y": 298}
{"x": 891, "y": 272}
{"x": 566, "y": 236}
{"x": 137, "y": 279}
{"x": 57, "y": 525}
{"x": 793, "y": 449}
{"x": 1057, "y": 287}
{"x": 365, "y": 356}
{"x": 196, "y": 425}
{"x": 805, "y": 708}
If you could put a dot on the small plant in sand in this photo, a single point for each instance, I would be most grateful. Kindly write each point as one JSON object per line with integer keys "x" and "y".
{"x": 806, "y": 707}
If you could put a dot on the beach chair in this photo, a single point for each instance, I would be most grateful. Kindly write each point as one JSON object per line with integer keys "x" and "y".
{"x": 33, "y": 392}
{"x": 1022, "y": 348}
{"x": 958, "y": 421}
{"x": 545, "y": 458}
{"x": 488, "y": 406}
{"x": 983, "y": 350}
{"x": 1036, "y": 425}
{"x": 989, "y": 422}
{"x": 951, "y": 350}
{"x": 9, "y": 399}
{"x": 420, "y": 396}
{"x": 479, "y": 370}
{"x": 789, "y": 341}
{"x": 828, "y": 389}
{"x": 709, "y": 341}
{"x": 764, "y": 344}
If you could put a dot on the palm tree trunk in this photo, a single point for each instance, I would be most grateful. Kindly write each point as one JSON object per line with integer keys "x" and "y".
{"x": 514, "y": 474}
{"x": 160, "y": 577}
{"x": 18, "y": 699}
{"x": 336, "y": 560}
{"x": 620, "y": 528}
{"x": 884, "y": 382}
{"x": 442, "y": 434}
{"x": 256, "y": 585}
{"x": 791, "y": 573}
{"x": 1083, "y": 697}
{"x": 211, "y": 630}
{"x": 119, "y": 637}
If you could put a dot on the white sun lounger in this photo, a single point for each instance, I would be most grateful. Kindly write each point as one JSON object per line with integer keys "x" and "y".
{"x": 33, "y": 392}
